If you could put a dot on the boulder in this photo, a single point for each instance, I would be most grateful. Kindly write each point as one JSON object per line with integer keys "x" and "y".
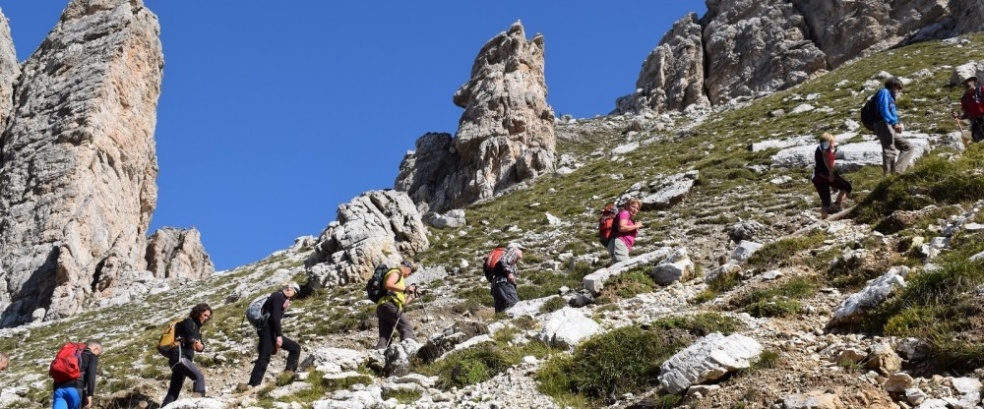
{"x": 566, "y": 327}
{"x": 505, "y": 135}
{"x": 812, "y": 400}
{"x": 453, "y": 219}
{"x": 380, "y": 226}
{"x": 708, "y": 359}
{"x": 882, "y": 358}
{"x": 899, "y": 382}
{"x": 663, "y": 192}
{"x": 78, "y": 182}
{"x": 744, "y": 250}
{"x": 334, "y": 360}
{"x": 595, "y": 281}
{"x": 178, "y": 255}
{"x": 850, "y": 310}
{"x": 676, "y": 267}
{"x": 851, "y": 156}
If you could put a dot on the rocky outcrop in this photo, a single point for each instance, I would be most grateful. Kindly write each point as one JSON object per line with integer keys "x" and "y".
{"x": 9, "y": 70}
{"x": 178, "y": 255}
{"x": 380, "y": 226}
{"x": 78, "y": 171}
{"x": 742, "y": 49}
{"x": 505, "y": 135}
{"x": 672, "y": 77}
{"x": 708, "y": 359}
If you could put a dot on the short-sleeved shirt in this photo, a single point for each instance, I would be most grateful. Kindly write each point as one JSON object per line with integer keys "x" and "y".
{"x": 627, "y": 237}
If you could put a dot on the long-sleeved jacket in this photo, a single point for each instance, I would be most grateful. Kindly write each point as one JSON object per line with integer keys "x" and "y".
{"x": 189, "y": 331}
{"x": 89, "y": 364}
{"x": 886, "y": 107}
{"x": 275, "y": 306}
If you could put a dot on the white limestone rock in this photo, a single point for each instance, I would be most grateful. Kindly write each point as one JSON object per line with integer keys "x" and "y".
{"x": 877, "y": 290}
{"x": 708, "y": 359}
{"x": 566, "y": 328}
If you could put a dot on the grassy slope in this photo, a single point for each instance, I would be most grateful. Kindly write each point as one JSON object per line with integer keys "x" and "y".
{"x": 726, "y": 191}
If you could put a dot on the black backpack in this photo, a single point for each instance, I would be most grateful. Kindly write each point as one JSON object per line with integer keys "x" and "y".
{"x": 374, "y": 287}
{"x": 488, "y": 267}
{"x": 870, "y": 114}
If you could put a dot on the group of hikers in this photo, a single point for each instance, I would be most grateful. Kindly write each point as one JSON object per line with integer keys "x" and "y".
{"x": 617, "y": 232}
{"x": 880, "y": 115}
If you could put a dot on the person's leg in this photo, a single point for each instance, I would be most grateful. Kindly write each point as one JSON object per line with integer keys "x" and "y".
{"x": 820, "y": 183}
{"x": 387, "y": 314}
{"x": 977, "y": 129}
{"x": 192, "y": 371}
{"x": 886, "y": 136}
{"x": 611, "y": 250}
{"x": 843, "y": 186}
{"x": 510, "y": 296}
{"x": 265, "y": 349}
{"x": 405, "y": 327}
{"x": 66, "y": 398}
{"x": 906, "y": 153}
{"x": 293, "y": 353}
{"x": 497, "y": 299}
{"x": 621, "y": 251}
{"x": 177, "y": 381}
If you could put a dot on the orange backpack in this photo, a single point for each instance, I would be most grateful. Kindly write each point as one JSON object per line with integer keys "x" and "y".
{"x": 493, "y": 258}
{"x": 605, "y": 230}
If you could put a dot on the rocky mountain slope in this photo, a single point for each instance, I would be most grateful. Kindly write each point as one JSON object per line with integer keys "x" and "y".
{"x": 738, "y": 296}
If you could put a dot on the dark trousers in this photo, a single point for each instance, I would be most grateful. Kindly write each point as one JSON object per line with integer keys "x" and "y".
{"x": 977, "y": 129}
{"x": 391, "y": 317}
{"x": 504, "y": 295}
{"x": 823, "y": 186}
{"x": 182, "y": 368}
{"x": 267, "y": 342}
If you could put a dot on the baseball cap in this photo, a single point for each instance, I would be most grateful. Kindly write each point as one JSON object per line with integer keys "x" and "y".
{"x": 293, "y": 286}
{"x": 515, "y": 245}
{"x": 409, "y": 265}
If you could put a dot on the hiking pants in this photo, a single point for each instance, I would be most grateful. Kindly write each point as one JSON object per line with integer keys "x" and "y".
{"x": 823, "y": 186}
{"x": 267, "y": 342}
{"x": 390, "y": 317}
{"x": 505, "y": 296}
{"x": 977, "y": 129}
{"x": 66, "y": 397}
{"x": 896, "y": 151}
{"x": 181, "y": 368}
{"x": 618, "y": 250}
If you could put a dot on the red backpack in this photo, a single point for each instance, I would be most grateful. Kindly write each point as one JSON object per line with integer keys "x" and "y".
{"x": 493, "y": 258}
{"x": 67, "y": 365}
{"x": 605, "y": 223}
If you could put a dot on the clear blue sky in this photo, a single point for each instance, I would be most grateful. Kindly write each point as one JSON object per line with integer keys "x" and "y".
{"x": 272, "y": 114}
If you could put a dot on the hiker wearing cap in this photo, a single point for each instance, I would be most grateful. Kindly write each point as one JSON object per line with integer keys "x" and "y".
{"x": 624, "y": 231}
{"x": 272, "y": 337}
{"x": 77, "y": 393}
{"x": 824, "y": 178}
{"x": 972, "y": 104}
{"x": 188, "y": 334}
{"x": 389, "y": 308}
{"x": 896, "y": 151}
{"x": 504, "y": 275}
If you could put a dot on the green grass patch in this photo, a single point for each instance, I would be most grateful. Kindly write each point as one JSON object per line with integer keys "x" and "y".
{"x": 783, "y": 252}
{"x": 552, "y": 305}
{"x": 779, "y": 301}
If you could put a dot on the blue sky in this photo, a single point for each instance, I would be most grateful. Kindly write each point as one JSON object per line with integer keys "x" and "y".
{"x": 272, "y": 114}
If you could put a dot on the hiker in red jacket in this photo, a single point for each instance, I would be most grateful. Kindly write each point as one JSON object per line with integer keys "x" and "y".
{"x": 972, "y": 104}
{"x": 824, "y": 178}
{"x": 78, "y": 393}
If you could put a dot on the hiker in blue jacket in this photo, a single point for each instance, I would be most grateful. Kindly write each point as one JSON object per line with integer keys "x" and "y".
{"x": 272, "y": 337}
{"x": 188, "y": 334}
{"x": 896, "y": 151}
{"x": 78, "y": 393}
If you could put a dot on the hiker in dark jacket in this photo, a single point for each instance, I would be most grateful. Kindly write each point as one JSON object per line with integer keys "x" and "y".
{"x": 972, "y": 104}
{"x": 824, "y": 178}
{"x": 78, "y": 393}
{"x": 504, "y": 275}
{"x": 188, "y": 333}
{"x": 889, "y": 129}
{"x": 272, "y": 337}
{"x": 390, "y": 308}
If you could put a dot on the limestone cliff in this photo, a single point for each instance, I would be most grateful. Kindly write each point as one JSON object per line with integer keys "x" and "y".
{"x": 742, "y": 49}
{"x": 505, "y": 135}
{"x": 78, "y": 170}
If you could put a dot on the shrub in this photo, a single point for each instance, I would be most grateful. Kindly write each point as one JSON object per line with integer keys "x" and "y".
{"x": 701, "y": 324}
{"x": 470, "y": 366}
{"x": 552, "y": 305}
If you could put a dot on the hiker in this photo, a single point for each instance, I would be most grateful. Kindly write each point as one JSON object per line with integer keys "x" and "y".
{"x": 972, "y": 104}
{"x": 4, "y": 361}
{"x": 390, "y": 308}
{"x": 504, "y": 275}
{"x": 272, "y": 337}
{"x": 78, "y": 393}
{"x": 824, "y": 178}
{"x": 896, "y": 151}
{"x": 188, "y": 334}
{"x": 625, "y": 230}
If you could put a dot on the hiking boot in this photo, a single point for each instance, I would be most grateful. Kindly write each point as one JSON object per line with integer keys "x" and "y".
{"x": 244, "y": 387}
{"x": 288, "y": 374}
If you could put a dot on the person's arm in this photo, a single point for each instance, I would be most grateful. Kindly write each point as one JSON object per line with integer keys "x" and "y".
{"x": 886, "y": 107}
{"x": 276, "y": 301}
{"x": 626, "y": 225}
{"x": 90, "y": 379}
